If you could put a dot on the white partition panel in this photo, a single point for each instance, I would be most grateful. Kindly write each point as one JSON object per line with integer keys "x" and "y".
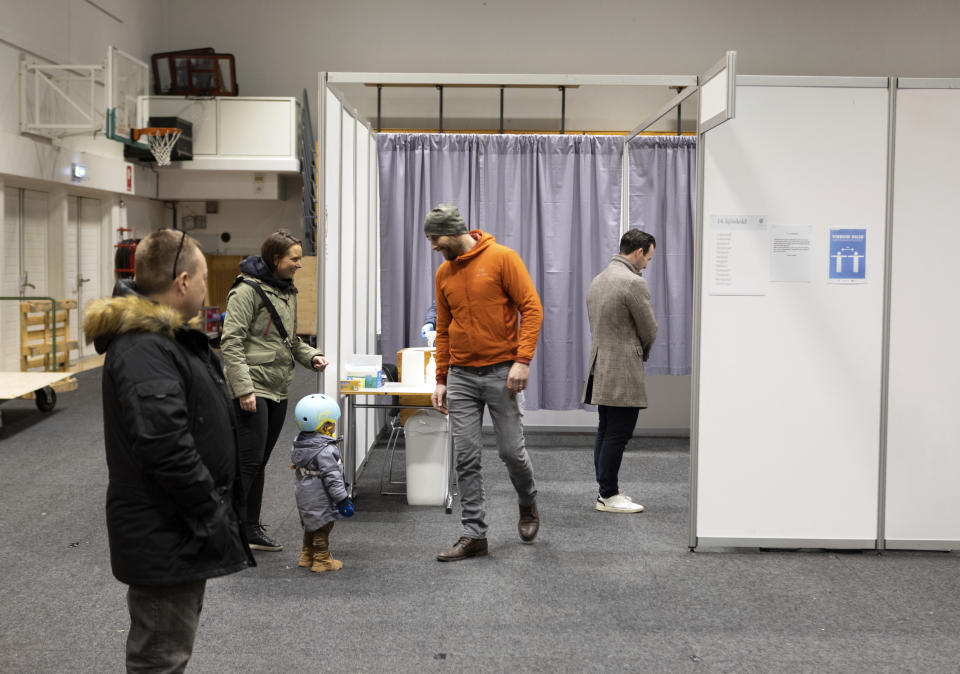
{"x": 348, "y": 261}
{"x": 331, "y": 245}
{"x": 362, "y": 240}
{"x": 350, "y": 255}
{"x": 922, "y": 500}
{"x": 789, "y": 380}
{"x": 373, "y": 262}
{"x": 363, "y": 337}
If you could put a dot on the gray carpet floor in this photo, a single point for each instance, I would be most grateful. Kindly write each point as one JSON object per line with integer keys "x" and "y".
{"x": 595, "y": 592}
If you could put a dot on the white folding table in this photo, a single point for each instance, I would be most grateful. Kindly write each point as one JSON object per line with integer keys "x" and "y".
{"x": 349, "y": 430}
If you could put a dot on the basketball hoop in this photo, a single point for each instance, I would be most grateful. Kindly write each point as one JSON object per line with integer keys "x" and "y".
{"x": 161, "y": 140}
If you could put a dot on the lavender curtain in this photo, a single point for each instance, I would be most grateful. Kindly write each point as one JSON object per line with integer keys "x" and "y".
{"x": 662, "y": 186}
{"x": 554, "y": 199}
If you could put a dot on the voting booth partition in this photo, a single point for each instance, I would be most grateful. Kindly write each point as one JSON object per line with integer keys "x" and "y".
{"x": 347, "y": 247}
{"x": 922, "y": 502}
{"x": 821, "y": 410}
{"x": 823, "y": 395}
{"x": 348, "y": 223}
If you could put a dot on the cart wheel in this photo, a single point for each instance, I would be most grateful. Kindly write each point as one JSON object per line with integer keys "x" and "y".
{"x": 46, "y": 398}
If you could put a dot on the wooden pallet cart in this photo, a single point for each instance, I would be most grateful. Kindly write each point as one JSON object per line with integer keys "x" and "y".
{"x": 45, "y": 347}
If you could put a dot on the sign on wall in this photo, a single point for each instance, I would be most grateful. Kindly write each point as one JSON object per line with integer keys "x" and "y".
{"x": 790, "y": 253}
{"x": 737, "y": 258}
{"x": 848, "y": 255}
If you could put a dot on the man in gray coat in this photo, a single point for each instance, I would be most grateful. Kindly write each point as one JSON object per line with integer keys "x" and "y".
{"x": 622, "y": 330}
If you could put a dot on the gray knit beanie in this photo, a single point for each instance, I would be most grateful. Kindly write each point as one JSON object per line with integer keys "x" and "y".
{"x": 444, "y": 220}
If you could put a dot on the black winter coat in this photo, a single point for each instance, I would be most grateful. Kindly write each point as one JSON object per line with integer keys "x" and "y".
{"x": 174, "y": 490}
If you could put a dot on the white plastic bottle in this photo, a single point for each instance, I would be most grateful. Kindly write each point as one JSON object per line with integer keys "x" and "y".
{"x": 431, "y": 374}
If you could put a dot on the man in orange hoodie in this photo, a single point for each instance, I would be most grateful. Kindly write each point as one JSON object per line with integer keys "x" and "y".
{"x": 483, "y": 358}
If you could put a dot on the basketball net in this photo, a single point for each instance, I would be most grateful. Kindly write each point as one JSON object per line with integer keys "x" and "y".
{"x": 161, "y": 145}
{"x": 161, "y": 141}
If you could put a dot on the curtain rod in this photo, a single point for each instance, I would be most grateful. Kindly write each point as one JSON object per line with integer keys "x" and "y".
{"x": 414, "y": 85}
{"x": 551, "y": 132}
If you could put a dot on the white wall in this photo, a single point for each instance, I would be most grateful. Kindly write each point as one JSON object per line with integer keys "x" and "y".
{"x": 668, "y": 414}
{"x": 248, "y": 221}
{"x": 281, "y": 45}
{"x": 77, "y": 31}
{"x": 71, "y": 32}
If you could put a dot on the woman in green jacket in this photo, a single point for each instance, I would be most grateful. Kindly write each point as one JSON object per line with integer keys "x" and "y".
{"x": 258, "y": 358}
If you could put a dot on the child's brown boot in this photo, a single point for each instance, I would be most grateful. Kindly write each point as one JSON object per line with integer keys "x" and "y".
{"x": 322, "y": 559}
{"x": 306, "y": 551}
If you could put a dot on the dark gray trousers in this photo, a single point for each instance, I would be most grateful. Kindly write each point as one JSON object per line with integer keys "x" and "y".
{"x": 469, "y": 390}
{"x": 163, "y": 625}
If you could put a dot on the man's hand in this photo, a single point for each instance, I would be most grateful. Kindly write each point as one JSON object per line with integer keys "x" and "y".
{"x": 320, "y": 363}
{"x": 517, "y": 378}
{"x": 248, "y": 403}
{"x": 439, "y": 398}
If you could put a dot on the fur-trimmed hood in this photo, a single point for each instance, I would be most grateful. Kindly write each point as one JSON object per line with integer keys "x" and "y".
{"x": 129, "y": 311}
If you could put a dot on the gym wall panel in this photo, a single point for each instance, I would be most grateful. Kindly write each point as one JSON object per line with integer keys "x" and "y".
{"x": 35, "y": 242}
{"x": 41, "y": 26}
{"x": 922, "y": 507}
{"x": 10, "y": 280}
{"x": 789, "y": 381}
{"x": 71, "y": 261}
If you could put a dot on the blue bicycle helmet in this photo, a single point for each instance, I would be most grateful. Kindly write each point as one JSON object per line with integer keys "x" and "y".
{"x": 314, "y": 410}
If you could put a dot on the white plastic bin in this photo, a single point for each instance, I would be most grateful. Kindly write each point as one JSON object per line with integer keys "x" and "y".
{"x": 427, "y": 435}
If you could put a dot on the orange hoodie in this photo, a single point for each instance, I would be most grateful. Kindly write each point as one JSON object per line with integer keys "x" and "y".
{"x": 479, "y": 295}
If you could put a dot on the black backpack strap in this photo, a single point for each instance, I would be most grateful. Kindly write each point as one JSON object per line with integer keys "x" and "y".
{"x": 272, "y": 310}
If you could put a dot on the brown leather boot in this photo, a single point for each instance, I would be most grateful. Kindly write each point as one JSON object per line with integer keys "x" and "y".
{"x": 306, "y": 551}
{"x": 529, "y": 523}
{"x": 322, "y": 559}
{"x": 465, "y": 547}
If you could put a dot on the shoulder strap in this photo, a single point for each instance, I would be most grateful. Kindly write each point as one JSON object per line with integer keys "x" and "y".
{"x": 272, "y": 310}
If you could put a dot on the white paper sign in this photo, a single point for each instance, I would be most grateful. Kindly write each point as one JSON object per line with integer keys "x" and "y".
{"x": 738, "y": 255}
{"x": 790, "y": 256}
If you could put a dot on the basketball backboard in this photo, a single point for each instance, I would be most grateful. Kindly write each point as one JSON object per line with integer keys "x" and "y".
{"x": 60, "y": 100}
{"x": 57, "y": 101}
{"x": 127, "y": 79}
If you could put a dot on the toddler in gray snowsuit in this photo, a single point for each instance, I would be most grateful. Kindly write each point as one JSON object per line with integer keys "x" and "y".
{"x": 320, "y": 490}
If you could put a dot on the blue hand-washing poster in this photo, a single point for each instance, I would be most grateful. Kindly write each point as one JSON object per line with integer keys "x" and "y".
{"x": 848, "y": 255}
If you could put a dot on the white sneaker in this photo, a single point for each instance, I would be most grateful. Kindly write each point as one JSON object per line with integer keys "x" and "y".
{"x": 618, "y": 503}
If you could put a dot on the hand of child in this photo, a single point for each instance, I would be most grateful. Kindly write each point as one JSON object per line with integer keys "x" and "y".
{"x": 427, "y": 327}
{"x": 346, "y": 507}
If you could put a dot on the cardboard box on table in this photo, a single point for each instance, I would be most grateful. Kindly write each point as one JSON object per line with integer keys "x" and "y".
{"x": 420, "y": 358}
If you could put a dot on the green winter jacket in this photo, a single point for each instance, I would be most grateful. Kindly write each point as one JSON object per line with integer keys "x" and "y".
{"x": 255, "y": 359}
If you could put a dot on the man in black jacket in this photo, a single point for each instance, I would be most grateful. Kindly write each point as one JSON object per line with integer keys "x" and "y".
{"x": 170, "y": 434}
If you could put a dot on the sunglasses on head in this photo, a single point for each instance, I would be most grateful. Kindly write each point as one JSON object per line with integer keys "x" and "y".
{"x": 183, "y": 235}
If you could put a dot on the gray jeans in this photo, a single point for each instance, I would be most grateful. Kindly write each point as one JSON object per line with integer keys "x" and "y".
{"x": 468, "y": 390}
{"x": 163, "y": 626}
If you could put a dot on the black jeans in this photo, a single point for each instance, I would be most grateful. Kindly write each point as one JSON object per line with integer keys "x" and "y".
{"x": 258, "y": 432}
{"x": 163, "y": 626}
{"x": 615, "y": 428}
